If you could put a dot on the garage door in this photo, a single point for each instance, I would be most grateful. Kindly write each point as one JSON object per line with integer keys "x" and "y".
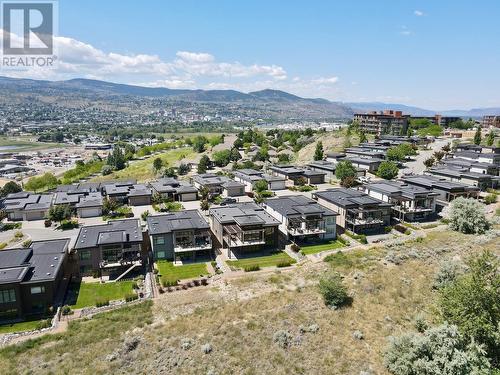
{"x": 35, "y": 215}
{"x": 90, "y": 212}
{"x": 188, "y": 197}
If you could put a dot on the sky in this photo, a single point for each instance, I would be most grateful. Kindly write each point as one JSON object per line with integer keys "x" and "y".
{"x": 434, "y": 54}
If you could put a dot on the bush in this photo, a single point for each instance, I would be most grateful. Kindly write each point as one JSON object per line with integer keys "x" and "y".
{"x": 447, "y": 273}
{"x": 27, "y": 243}
{"x": 284, "y": 264}
{"x": 68, "y": 224}
{"x": 467, "y": 216}
{"x": 19, "y": 234}
{"x": 100, "y": 302}
{"x": 387, "y": 170}
{"x": 334, "y": 291}
{"x": 47, "y": 223}
{"x": 3, "y": 245}
{"x": 252, "y": 268}
{"x": 10, "y": 226}
{"x": 131, "y": 297}
{"x": 44, "y": 323}
{"x": 66, "y": 310}
{"x": 388, "y": 229}
{"x": 295, "y": 247}
{"x": 439, "y": 350}
{"x": 490, "y": 199}
{"x": 167, "y": 282}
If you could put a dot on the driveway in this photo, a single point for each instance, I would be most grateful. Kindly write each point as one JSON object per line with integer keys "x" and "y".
{"x": 417, "y": 165}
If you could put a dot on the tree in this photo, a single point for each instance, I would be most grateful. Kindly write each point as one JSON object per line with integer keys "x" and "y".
{"x": 438, "y": 350}
{"x": 318, "y": 153}
{"x": 221, "y": 158}
{"x": 283, "y": 158}
{"x": 477, "y": 136}
{"x": 169, "y": 172}
{"x": 204, "y": 193}
{"x": 10, "y": 187}
{"x": 260, "y": 186}
{"x": 262, "y": 154}
{"x": 362, "y": 137}
{"x": 300, "y": 181}
{"x": 472, "y": 303}
{"x": 438, "y": 155}
{"x": 44, "y": 182}
{"x": 333, "y": 290}
{"x": 157, "y": 164}
{"x": 490, "y": 139}
{"x": 199, "y": 143}
{"x": 116, "y": 159}
{"x": 183, "y": 169}
{"x": 235, "y": 154}
{"x": 109, "y": 205}
{"x": 345, "y": 169}
{"x": 387, "y": 170}
{"x": 106, "y": 169}
{"x": 395, "y": 154}
{"x": 429, "y": 162}
{"x": 467, "y": 216}
{"x": 204, "y": 205}
{"x": 203, "y": 164}
{"x": 238, "y": 143}
{"x": 59, "y": 212}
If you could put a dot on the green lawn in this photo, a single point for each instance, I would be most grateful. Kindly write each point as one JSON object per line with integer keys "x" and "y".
{"x": 19, "y": 327}
{"x": 26, "y": 144}
{"x": 142, "y": 170}
{"x": 313, "y": 249}
{"x": 263, "y": 261}
{"x": 168, "y": 271}
{"x": 88, "y": 293}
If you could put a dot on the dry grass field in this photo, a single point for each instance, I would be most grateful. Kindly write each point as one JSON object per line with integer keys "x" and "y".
{"x": 232, "y": 326}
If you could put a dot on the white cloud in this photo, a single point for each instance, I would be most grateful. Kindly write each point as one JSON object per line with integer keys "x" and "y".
{"x": 418, "y": 13}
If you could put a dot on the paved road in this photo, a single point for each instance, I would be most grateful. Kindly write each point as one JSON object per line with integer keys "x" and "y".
{"x": 417, "y": 165}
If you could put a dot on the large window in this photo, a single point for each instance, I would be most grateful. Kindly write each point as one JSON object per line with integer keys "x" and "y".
{"x": 111, "y": 253}
{"x": 37, "y": 289}
{"x": 159, "y": 240}
{"x": 84, "y": 254}
{"x": 7, "y": 296}
{"x": 185, "y": 238}
{"x": 252, "y": 236}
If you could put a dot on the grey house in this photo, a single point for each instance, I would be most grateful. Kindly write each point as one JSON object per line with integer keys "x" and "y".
{"x": 27, "y": 206}
{"x": 89, "y": 205}
{"x": 480, "y": 180}
{"x": 248, "y": 177}
{"x": 108, "y": 248}
{"x": 409, "y": 202}
{"x": 33, "y": 279}
{"x": 302, "y": 218}
{"x": 243, "y": 227}
{"x": 218, "y": 185}
{"x": 179, "y": 235}
{"x": 170, "y": 188}
{"x": 292, "y": 174}
{"x": 356, "y": 211}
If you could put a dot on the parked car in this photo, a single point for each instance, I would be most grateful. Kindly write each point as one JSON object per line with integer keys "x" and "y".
{"x": 226, "y": 201}
{"x": 364, "y": 179}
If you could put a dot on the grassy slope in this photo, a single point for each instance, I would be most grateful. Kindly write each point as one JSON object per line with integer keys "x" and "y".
{"x": 264, "y": 261}
{"x": 142, "y": 170}
{"x": 90, "y": 292}
{"x": 240, "y": 317}
{"x": 188, "y": 271}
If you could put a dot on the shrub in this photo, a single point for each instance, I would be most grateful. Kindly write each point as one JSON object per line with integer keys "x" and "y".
{"x": 387, "y": 170}
{"x": 467, "y": 216}
{"x": 19, "y": 234}
{"x": 47, "y": 223}
{"x": 421, "y": 323}
{"x": 68, "y": 224}
{"x": 66, "y": 310}
{"x": 3, "y": 245}
{"x": 27, "y": 243}
{"x": 334, "y": 291}
{"x": 284, "y": 264}
{"x": 295, "y": 247}
{"x": 490, "y": 199}
{"x": 447, "y": 273}
{"x": 44, "y": 323}
{"x": 100, "y": 302}
{"x": 439, "y": 350}
{"x": 167, "y": 282}
{"x": 131, "y": 297}
{"x": 387, "y": 229}
{"x": 10, "y": 226}
{"x": 253, "y": 268}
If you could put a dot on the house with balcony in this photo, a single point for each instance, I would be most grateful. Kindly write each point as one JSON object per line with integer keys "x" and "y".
{"x": 368, "y": 164}
{"x": 117, "y": 190}
{"x": 480, "y": 180}
{"x": 170, "y": 188}
{"x": 409, "y": 202}
{"x": 447, "y": 190}
{"x": 27, "y": 206}
{"x": 243, "y": 227}
{"x": 33, "y": 279}
{"x": 292, "y": 173}
{"x": 248, "y": 177}
{"x": 110, "y": 248}
{"x": 302, "y": 218}
{"x": 179, "y": 236}
{"x": 356, "y": 211}
{"x": 471, "y": 166}
{"x": 366, "y": 153}
{"x": 218, "y": 185}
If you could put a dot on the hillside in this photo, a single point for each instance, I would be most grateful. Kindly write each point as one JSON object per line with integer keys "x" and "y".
{"x": 240, "y": 319}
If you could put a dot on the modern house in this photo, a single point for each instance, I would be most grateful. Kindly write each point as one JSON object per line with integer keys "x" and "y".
{"x": 33, "y": 279}
{"x": 170, "y": 188}
{"x": 139, "y": 195}
{"x": 89, "y": 205}
{"x": 249, "y": 177}
{"x": 471, "y": 166}
{"x": 243, "y": 227}
{"x": 357, "y": 211}
{"x": 335, "y": 157}
{"x": 480, "y": 180}
{"x": 179, "y": 235}
{"x": 27, "y": 206}
{"x": 368, "y": 164}
{"x": 302, "y": 218}
{"x": 292, "y": 174}
{"x": 489, "y": 157}
{"x": 217, "y": 185}
{"x": 329, "y": 168}
{"x": 447, "y": 190}
{"x": 409, "y": 202}
{"x": 118, "y": 190}
{"x": 108, "y": 248}
{"x": 364, "y": 153}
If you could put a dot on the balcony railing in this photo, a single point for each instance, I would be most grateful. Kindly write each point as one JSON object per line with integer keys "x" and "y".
{"x": 198, "y": 243}
{"x": 365, "y": 221}
{"x": 305, "y": 231}
{"x": 235, "y": 241}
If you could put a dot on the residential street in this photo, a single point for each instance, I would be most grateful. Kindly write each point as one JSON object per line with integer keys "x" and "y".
{"x": 417, "y": 166}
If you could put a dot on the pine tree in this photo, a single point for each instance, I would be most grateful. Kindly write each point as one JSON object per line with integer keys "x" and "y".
{"x": 477, "y": 136}
{"x": 318, "y": 154}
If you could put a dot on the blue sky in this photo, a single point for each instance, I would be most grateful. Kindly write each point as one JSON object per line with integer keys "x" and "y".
{"x": 434, "y": 54}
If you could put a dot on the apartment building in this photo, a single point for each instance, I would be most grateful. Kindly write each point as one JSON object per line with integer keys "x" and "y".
{"x": 356, "y": 211}
{"x": 243, "y": 227}
{"x": 384, "y": 122}
{"x": 179, "y": 236}
{"x": 302, "y": 218}
{"x": 490, "y": 121}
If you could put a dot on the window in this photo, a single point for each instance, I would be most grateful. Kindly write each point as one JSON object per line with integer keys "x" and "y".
{"x": 84, "y": 270}
{"x": 160, "y": 255}
{"x": 7, "y": 296}
{"x": 84, "y": 254}
{"x": 37, "y": 289}
{"x": 159, "y": 240}
{"x": 111, "y": 253}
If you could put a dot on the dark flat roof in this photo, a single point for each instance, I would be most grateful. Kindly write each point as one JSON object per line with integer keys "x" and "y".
{"x": 95, "y": 235}
{"x": 183, "y": 220}
{"x": 297, "y": 205}
{"x": 229, "y": 214}
{"x": 349, "y": 198}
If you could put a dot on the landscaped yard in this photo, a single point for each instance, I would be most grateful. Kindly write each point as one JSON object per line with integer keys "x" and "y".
{"x": 313, "y": 249}
{"x": 19, "y": 327}
{"x": 86, "y": 294}
{"x": 263, "y": 261}
{"x": 168, "y": 271}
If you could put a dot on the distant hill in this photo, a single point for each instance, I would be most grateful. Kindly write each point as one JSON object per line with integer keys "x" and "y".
{"x": 266, "y": 104}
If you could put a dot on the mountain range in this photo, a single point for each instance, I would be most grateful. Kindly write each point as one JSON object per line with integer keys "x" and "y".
{"x": 264, "y": 104}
